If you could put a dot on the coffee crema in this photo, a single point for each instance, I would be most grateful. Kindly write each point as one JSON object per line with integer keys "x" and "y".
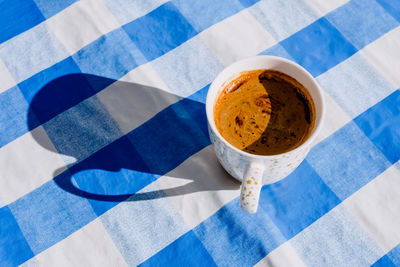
{"x": 264, "y": 112}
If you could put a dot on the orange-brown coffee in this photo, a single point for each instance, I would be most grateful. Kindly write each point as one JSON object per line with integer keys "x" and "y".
{"x": 264, "y": 112}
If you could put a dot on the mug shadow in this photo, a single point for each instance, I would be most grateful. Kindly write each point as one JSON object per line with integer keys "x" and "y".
{"x": 118, "y": 140}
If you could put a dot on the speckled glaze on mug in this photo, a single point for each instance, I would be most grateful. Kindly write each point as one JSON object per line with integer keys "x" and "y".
{"x": 256, "y": 170}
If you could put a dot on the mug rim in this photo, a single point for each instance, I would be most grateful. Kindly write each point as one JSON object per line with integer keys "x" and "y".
{"x": 210, "y": 105}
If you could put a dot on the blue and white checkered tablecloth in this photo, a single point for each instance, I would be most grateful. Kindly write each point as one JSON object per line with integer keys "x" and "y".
{"x": 105, "y": 158}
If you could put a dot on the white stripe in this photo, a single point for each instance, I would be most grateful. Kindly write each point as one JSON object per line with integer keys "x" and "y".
{"x": 89, "y": 246}
{"x": 335, "y": 79}
{"x": 187, "y": 68}
{"x": 26, "y": 165}
{"x": 140, "y": 75}
{"x": 32, "y": 51}
{"x": 82, "y": 23}
{"x": 199, "y": 187}
{"x": 126, "y": 11}
{"x": 2, "y": 202}
{"x": 241, "y": 36}
{"x": 130, "y": 103}
{"x": 384, "y": 53}
{"x": 365, "y": 85}
{"x": 336, "y": 240}
{"x": 335, "y": 118}
{"x": 7, "y": 81}
{"x": 138, "y": 239}
{"x": 237, "y": 37}
{"x": 30, "y": 263}
{"x": 376, "y": 207}
{"x": 136, "y": 98}
{"x": 355, "y": 80}
{"x": 184, "y": 197}
{"x": 145, "y": 75}
{"x": 70, "y": 26}
{"x": 141, "y": 228}
{"x": 284, "y": 255}
{"x": 360, "y": 230}
{"x": 283, "y": 18}
{"x": 323, "y": 7}
{"x": 137, "y": 103}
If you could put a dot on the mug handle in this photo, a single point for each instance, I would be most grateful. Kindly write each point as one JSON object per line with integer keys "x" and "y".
{"x": 251, "y": 187}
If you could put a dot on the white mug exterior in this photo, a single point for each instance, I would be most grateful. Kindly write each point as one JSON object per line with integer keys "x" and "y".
{"x": 273, "y": 167}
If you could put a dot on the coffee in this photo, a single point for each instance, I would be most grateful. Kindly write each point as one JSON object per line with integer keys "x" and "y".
{"x": 264, "y": 112}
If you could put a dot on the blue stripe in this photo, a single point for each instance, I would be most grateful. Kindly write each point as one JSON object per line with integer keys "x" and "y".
{"x": 17, "y": 17}
{"x": 360, "y": 12}
{"x": 392, "y": 7}
{"x": 336, "y": 239}
{"x": 26, "y": 14}
{"x": 392, "y": 258}
{"x": 112, "y": 56}
{"x": 292, "y": 204}
{"x": 318, "y": 47}
{"x": 212, "y": 12}
{"x": 286, "y": 208}
{"x": 343, "y": 160}
{"x": 31, "y": 52}
{"x": 201, "y": 95}
{"x": 48, "y": 96}
{"x": 51, "y": 229}
{"x": 298, "y": 200}
{"x": 381, "y": 123}
{"x": 277, "y": 50}
{"x": 384, "y": 262}
{"x": 243, "y": 238}
{"x": 125, "y": 57}
{"x": 127, "y": 165}
{"x": 191, "y": 251}
{"x": 160, "y": 31}
{"x": 394, "y": 255}
{"x": 367, "y": 85}
{"x": 14, "y": 249}
{"x": 50, "y": 8}
{"x": 109, "y": 176}
{"x": 248, "y": 3}
{"x": 81, "y": 131}
{"x": 175, "y": 133}
{"x": 113, "y": 49}
{"x": 31, "y": 86}
{"x": 50, "y": 214}
{"x": 13, "y": 115}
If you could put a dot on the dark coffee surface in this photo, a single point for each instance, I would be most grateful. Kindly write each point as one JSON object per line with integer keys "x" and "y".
{"x": 264, "y": 112}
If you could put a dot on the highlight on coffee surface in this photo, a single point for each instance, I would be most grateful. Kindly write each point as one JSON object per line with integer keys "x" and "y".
{"x": 264, "y": 112}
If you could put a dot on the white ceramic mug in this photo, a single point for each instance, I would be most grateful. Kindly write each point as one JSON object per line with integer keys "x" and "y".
{"x": 256, "y": 170}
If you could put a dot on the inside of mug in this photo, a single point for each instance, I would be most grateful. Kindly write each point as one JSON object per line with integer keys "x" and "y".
{"x": 273, "y": 63}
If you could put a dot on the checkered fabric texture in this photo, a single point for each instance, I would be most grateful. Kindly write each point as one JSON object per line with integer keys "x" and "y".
{"x": 105, "y": 158}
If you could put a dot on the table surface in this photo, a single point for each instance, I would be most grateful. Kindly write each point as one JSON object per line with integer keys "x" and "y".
{"x": 105, "y": 158}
